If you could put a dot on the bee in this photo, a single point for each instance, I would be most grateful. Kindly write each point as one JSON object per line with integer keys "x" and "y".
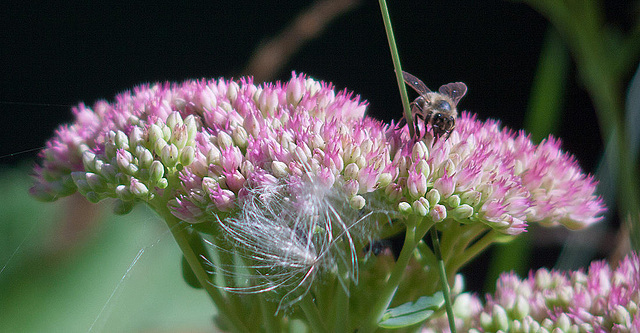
{"x": 435, "y": 108}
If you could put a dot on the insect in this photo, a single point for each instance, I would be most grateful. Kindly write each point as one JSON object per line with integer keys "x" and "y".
{"x": 435, "y": 108}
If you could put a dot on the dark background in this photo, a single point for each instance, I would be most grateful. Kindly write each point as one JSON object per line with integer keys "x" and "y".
{"x": 53, "y": 56}
{"x": 61, "y": 54}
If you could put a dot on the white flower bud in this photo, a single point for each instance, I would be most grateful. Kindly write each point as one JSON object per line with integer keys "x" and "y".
{"x": 138, "y": 189}
{"x": 500, "y": 318}
{"x": 357, "y": 202}
{"x": 187, "y": 155}
{"x": 224, "y": 140}
{"x": 404, "y": 207}
{"x": 192, "y": 127}
{"x": 239, "y": 136}
{"x": 156, "y": 171}
{"x": 438, "y": 213}
{"x": 159, "y": 146}
{"x": 295, "y": 89}
{"x": 170, "y": 155}
{"x": 232, "y": 91}
{"x": 420, "y": 151}
{"x": 121, "y": 140}
{"x": 155, "y": 133}
{"x": 419, "y": 208}
{"x": 279, "y": 169}
{"x": 384, "y": 180}
{"x": 174, "y": 119}
{"x": 453, "y": 201}
{"x": 462, "y": 212}
{"x": 95, "y": 181}
{"x": 433, "y": 196}
{"x": 351, "y": 171}
{"x": 423, "y": 167}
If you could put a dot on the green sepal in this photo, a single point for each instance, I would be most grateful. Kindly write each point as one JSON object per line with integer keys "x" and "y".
{"x": 188, "y": 275}
{"x": 412, "y": 313}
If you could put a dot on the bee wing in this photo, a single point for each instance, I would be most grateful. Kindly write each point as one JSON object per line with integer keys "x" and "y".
{"x": 455, "y": 90}
{"x": 415, "y": 83}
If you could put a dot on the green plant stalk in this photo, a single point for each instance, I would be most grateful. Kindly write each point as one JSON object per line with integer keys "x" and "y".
{"x": 397, "y": 66}
{"x": 192, "y": 255}
{"x": 341, "y": 310}
{"x": 446, "y": 291}
{"x": 389, "y": 290}
{"x": 473, "y": 250}
{"x": 181, "y": 237}
{"x": 582, "y": 26}
{"x": 454, "y": 253}
{"x": 271, "y": 323}
{"x": 544, "y": 113}
{"x": 385, "y": 297}
{"x": 314, "y": 320}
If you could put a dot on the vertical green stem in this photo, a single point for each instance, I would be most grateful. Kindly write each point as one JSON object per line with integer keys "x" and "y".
{"x": 270, "y": 321}
{"x": 446, "y": 291}
{"x": 341, "y": 309}
{"x": 396, "y": 64}
{"x": 193, "y": 256}
{"x": 181, "y": 236}
{"x": 386, "y": 295}
{"x": 312, "y": 314}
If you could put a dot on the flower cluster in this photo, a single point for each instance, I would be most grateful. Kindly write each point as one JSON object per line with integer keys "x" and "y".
{"x": 289, "y": 172}
{"x": 216, "y": 135}
{"x": 486, "y": 174}
{"x": 600, "y": 300}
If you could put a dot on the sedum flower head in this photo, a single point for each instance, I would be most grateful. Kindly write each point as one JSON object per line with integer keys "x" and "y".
{"x": 485, "y": 174}
{"x": 295, "y": 177}
{"x": 208, "y": 138}
{"x": 599, "y": 300}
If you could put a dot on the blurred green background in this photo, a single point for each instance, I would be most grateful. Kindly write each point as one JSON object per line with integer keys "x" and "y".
{"x": 92, "y": 271}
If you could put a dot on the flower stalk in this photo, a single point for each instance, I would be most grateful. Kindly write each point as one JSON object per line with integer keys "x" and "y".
{"x": 395, "y": 56}
{"x": 181, "y": 236}
{"x": 443, "y": 280}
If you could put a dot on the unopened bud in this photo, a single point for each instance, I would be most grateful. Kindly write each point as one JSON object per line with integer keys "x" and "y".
{"x": 169, "y": 155}
{"x": 357, "y": 202}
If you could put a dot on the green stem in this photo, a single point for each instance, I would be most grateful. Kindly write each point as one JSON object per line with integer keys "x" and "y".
{"x": 312, "y": 314}
{"x": 188, "y": 244}
{"x": 473, "y": 250}
{"x": 270, "y": 321}
{"x": 182, "y": 238}
{"x": 341, "y": 310}
{"x": 427, "y": 258}
{"x": 446, "y": 291}
{"x": 411, "y": 239}
{"x": 396, "y": 65}
{"x": 450, "y": 239}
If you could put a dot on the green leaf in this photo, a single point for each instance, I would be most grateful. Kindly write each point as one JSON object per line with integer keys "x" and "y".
{"x": 544, "y": 114}
{"x": 412, "y": 313}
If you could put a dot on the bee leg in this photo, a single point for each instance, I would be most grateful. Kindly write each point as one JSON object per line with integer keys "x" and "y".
{"x": 416, "y": 126}
{"x": 402, "y": 122}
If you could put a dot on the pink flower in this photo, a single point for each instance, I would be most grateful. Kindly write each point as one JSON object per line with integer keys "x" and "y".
{"x": 506, "y": 179}
{"x": 601, "y": 300}
{"x": 295, "y": 173}
{"x": 225, "y": 131}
